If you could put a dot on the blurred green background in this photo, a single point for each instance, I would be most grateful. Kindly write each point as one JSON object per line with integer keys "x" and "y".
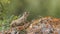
{"x": 12, "y": 9}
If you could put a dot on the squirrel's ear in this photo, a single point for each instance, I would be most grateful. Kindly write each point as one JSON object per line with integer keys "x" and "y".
{"x": 26, "y": 12}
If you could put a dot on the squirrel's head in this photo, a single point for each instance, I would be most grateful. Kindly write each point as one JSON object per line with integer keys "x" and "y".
{"x": 26, "y": 14}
